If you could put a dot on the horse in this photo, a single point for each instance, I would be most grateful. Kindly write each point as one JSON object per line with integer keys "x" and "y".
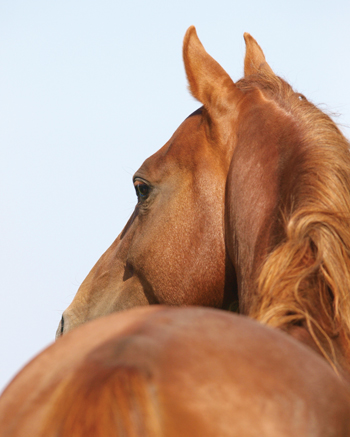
{"x": 172, "y": 250}
{"x": 159, "y": 371}
{"x": 288, "y": 213}
{"x": 195, "y": 371}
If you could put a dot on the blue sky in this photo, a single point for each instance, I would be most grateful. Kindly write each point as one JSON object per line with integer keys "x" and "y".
{"x": 90, "y": 89}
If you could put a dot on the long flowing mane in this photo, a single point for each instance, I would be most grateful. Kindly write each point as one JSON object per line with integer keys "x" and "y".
{"x": 306, "y": 277}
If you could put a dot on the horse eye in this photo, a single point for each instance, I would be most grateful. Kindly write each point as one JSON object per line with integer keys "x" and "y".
{"x": 142, "y": 190}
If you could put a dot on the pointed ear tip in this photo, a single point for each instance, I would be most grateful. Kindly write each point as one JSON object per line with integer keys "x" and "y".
{"x": 190, "y": 31}
{"x": 247, "y": 36}
{"x": 191, "y": 39}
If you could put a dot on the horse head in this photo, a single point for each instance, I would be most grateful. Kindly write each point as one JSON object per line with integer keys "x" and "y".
{"x": 172, "y": 250}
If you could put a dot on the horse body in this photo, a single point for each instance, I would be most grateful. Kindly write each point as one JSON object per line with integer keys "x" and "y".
{"x": 162, "y": 371}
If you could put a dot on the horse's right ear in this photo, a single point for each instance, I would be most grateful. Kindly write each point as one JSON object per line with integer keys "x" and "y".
{"x": 208, "y": 81}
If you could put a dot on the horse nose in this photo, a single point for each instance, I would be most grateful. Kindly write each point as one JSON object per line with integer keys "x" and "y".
{"x": 60, "y": 329}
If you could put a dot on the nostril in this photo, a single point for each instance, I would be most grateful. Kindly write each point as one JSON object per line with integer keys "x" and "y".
{"x": 62, "y": 326}
{"x": 60, "y": 329}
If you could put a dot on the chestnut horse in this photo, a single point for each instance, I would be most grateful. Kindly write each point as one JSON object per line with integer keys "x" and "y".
{"x": 172, "y": 250}
{"x": 193, "y": 371}
{"x": 163, "y": 371}
{"x": 288, "y": 213}
{"x": 287, "y": 218}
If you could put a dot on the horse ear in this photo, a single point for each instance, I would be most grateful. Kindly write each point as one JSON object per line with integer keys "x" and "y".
{"x": 208, "y": 81}
{"x": 254, "y": 57}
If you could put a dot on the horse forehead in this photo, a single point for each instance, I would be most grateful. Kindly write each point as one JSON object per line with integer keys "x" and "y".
{"x": 188, "y": 140}
{"x": 187, "y": 145}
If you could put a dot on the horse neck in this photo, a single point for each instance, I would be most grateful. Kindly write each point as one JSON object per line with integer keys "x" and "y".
{"x": 253, "y": 213}
{"x": 303, "y": 259}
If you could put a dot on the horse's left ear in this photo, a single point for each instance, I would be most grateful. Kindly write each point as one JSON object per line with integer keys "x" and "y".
{"x": 254, "y": 60}
{"x": 208, "y": 81}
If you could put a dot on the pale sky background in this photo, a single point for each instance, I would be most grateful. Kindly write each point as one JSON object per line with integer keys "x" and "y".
{"x": 88, "y": 90}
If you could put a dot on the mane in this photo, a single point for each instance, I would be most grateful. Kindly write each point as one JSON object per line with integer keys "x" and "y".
{"x": 305, "y": 279}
